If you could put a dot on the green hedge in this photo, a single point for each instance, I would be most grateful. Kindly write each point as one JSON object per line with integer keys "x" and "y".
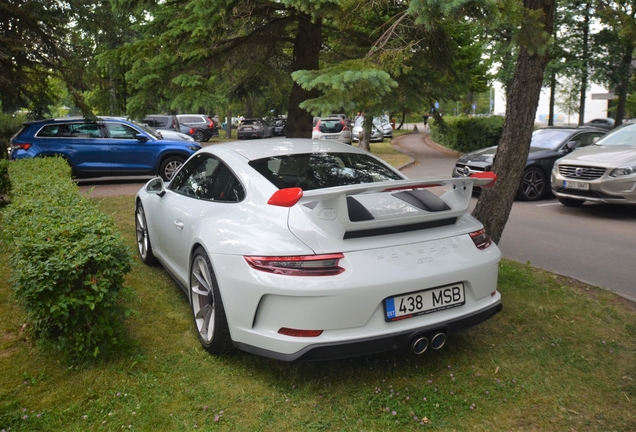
{"x": 5, "y": 182}
{"x": 67, "y": 262}
{"x": 466, "y": 134}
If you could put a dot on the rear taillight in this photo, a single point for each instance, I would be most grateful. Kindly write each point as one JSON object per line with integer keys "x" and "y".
{"x": 299, "y": 333}
{"x": 317, "y": 127}
{"x": 192, "y": 131}
{"x": 344, "y": 126}
{"x": 307, "y": 265}
{"x": 210, "y": 123}
{"x": 287, "y": 197}
{"x": 21, "y": 146}
{"x": 481, "y": 239}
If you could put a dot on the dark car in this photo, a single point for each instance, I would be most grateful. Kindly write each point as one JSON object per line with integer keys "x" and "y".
{"x": 162, "y": 122}
{"x": 604, "y": 123}
{"x": 547, "y": 145}
{"x": 107, "y": 146}
{"x": 254, "y": 128}
{"x": 198, "y": 126}
{"x": 279, "y": 127}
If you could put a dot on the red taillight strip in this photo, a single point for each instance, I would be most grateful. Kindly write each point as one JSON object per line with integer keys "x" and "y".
{"x": 23, "y": 146}
{"x": 299, "y": 333}
{"x": 304, "y": 265}
{"x": 481, "y": 239}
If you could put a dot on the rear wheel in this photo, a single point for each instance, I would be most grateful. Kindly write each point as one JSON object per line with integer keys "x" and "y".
{"x": 207, "y": 307}
{"x": 143, "y": 240}
{"x": 533, "y": 185}
{"x": 198, "y": 136}
{"x": 170, "y": 166}
{"x": 569, "y": 202}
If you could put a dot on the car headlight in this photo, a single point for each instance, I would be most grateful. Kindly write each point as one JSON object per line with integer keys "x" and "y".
{"x": 623, "y": 171}
{"x": 555, "y": 169}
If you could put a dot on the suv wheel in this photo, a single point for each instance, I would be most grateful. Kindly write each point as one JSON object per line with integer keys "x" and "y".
{"x": 533, "y": 185}
{"x": 170, "y": 166}
{"x": 198, "y": 136}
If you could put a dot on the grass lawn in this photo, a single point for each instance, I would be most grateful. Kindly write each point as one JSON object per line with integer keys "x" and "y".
{"x": 560, "y": 356}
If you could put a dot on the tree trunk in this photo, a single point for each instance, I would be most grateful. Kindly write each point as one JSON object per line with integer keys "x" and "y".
{"x": 584, "y": 72}
{"x": 553, "y": 84}
{"x": 228, "y": 123}
{"x": 306, "y": 57}
{"x": 365, "y": 137}
{"x": 622, "y": 88}
{"x": 494, "y": 205}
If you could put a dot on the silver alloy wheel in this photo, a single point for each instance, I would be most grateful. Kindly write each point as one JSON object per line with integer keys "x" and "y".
{"x": 142, "y": 232}
{"x": 202, "y": 299}
{"x": 171, "y": 168}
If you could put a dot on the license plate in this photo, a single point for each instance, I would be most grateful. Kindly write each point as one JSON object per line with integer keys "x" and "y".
{"x": 424, "y": 302}
{"x": 331, "y": 136}
{"x": 247, "y": 128}
{"x": 576, "y": 185}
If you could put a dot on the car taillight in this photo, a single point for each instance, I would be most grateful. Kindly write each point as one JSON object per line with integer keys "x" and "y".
{"x": 192, "y": 131}
{"x": 210, "y": 123}
{"x": 287, "y": 197}
{"x": 299, "y": 333}
{"x": 306, "y": 265}
{"x": 481, "y": 239}
{"x": 22, "y": 146}
{"x": 344, "y": 126}
{"x": 317, "y": 127}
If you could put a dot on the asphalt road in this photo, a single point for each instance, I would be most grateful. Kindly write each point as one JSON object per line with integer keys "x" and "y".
{"x": 595, "y": 243}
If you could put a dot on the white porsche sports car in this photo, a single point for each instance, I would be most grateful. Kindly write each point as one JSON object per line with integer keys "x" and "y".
{"x": 298, "y": 249}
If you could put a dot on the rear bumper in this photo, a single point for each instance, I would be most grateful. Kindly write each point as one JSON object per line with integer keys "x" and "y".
{"x": 396, "y": 341}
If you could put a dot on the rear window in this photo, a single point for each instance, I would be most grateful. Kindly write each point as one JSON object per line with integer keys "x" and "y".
{"x": 330, "y": 126}
{"x": 323, "y": 170}
{"x": 70, "y": 130}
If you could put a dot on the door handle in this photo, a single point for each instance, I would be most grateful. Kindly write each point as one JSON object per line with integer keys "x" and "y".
{"x": 178, "y": 224}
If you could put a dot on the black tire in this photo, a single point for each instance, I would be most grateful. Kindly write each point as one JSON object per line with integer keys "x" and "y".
{"x": 207, "y": 308}
{"x": 569, "y": 202}
{"x": 534, "y": 185}
{"x": 144, "y": 248}
{"x": 170, "y": 166}
{"x": 198, "y": 136}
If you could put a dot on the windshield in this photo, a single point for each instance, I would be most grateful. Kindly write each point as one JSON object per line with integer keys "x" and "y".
{"x": 549, "y": 139}
{"x": 149, "y": 130}
{"x": 621, "y": 136}
{"x": 322, "y": 170}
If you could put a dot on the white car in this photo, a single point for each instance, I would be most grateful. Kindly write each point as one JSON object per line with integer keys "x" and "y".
{"x": 604, "y": 172}
{"x": 331, "y": 128}
{"x": 174, "y": 135}
{"x": 300, "y": 249}
{"x": 377, "y": 134}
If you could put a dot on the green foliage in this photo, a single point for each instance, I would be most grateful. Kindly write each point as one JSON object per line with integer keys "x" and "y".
{"x": 466, "y": 134}
{"x": 9, "y": 125}
{"x": 5, "y": 181}
{"x": 67, "y": 261}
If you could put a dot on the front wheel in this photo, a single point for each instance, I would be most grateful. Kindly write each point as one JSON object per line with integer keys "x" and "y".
{"x": 143, "y": 240}
{"x": 533, "y": 185}
{"x": 198, "y": 136}
{"x": 170, "y": 166}
{"x": 569, "y": 202}
{"x": 207, "y": 307}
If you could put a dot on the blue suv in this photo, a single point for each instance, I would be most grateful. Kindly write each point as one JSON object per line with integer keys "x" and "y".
{"x": 108, "y": 146}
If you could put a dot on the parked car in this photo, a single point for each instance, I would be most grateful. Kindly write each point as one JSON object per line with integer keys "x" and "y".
{"x": 200, "y": 127}
{"x": 167, "y": 126}
{"x": 108, "y": 146}
{"x": 298, "y": 249}
{"x": 331, "y": 128}
{"x": 279, "y": 127}
{"x": 387, "y": 129}
{"x": 254, "y": 128}
{"x": 605, "y": 123}
{"x": 376, "y": 130}
{"x": 604, "y": 172}
{"x": 547, "y": 145}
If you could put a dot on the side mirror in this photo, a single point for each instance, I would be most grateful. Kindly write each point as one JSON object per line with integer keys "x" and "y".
{"x": 141, "y": 137}
{"x": 571, "y": 145}
{"x": 156, "y": 186}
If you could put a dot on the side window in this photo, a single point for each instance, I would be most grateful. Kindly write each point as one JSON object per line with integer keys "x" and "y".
{"x": 121, "y": 131}
{"x": 586, "y": 139}
{"x": 205, "y": 177}
{"x": 86, "y": 130}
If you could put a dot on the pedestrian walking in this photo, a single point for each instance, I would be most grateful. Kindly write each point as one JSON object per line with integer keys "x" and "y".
{"x": 425, "y": 117}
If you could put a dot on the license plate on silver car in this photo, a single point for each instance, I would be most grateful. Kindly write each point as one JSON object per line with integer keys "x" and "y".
{"x": 331, "y": 136}
{"x": 424, "y": 302}
{"x": 575, "y": 185}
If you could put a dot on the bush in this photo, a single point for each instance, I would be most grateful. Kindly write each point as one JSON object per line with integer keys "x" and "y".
{"x": 5, "y": 182}
{"x": 9, "y": 125}
{"x": 466, "y": 134}
{"x": 67, "y": 261}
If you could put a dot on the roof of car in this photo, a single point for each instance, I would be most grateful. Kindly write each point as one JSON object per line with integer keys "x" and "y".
{"x": 283, "y": 147}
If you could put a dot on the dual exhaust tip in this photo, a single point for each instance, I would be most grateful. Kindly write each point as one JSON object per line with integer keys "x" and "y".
{"x": 421, "y": 343}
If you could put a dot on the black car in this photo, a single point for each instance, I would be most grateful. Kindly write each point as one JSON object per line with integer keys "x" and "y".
{"x": 198, "y": 126}
{"x": 279, "y": 127}
{"x": 547, "y": 145}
